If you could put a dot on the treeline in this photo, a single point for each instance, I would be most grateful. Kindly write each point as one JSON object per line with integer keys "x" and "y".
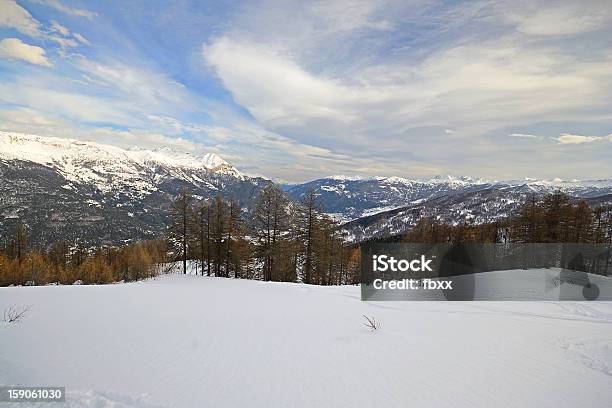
{"x": 276, "y": 240}
{"x": 68, "y": 264}
{"x": 552, "y": 218}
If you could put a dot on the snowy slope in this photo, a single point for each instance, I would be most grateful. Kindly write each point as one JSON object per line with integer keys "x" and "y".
{"x": 189, "y": 341}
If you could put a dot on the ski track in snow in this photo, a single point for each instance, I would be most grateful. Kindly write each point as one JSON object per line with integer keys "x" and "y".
{"x": 187, "y": 341}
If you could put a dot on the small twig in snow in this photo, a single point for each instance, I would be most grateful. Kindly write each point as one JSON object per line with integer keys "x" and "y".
{"x": 371, "y": 323}
{"x": 14, "y": 315}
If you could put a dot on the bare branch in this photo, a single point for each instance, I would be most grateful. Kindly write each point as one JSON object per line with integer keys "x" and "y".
{"x": 371, "y": 323}
{"x": 13, "y": 314}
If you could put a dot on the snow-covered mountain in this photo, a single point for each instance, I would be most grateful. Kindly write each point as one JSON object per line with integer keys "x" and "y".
{"x": 382, "y": 206}
{"x": 350, "y": 198}
{"x": 109, "y": 167}
{"x": 100, "y": 193}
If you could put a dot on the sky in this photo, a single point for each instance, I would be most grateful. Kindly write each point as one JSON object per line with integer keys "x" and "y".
{"x": 298, "y": 90}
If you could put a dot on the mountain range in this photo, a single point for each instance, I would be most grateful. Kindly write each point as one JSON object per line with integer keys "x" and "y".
{"x": 375, "y": 207}
{"x": 101, "y": 194}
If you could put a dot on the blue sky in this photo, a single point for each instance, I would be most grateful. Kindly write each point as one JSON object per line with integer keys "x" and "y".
{"x": 300, "y": 90}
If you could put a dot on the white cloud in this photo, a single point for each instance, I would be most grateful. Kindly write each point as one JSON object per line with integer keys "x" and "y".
{"x": 559, "y": 19}
{"x": 12, "y": 15}
{"x": 64, "y": 42}
{"x": 64, "y": 39}
{"x": 339, "y": 84}
{"x": 56, "y": 4}
{"x": 147, "y": 88}
{"x": 525, "y": 136}
{"x": 81, "y": 39}
{"x": 12, "y": 118}
{"x": 286, "y": 93}
{"x": 143, "y": 138}
{"x": 15, "y": 49}
{"x": 377, "y": 87}
{"x": 349, "y": 15}
{"x": 57, "y": 27}
{"x": 470, "y": 87}
{"x": 567, "y": 138}
{"x": 36, "y": 93}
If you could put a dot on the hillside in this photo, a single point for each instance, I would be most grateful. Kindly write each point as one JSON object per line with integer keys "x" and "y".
{"x": 378, "y": 207}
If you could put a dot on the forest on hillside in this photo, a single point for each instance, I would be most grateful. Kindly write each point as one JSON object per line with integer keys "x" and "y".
{"x": 552, "y": 218}
{"x": 277, "y": 240}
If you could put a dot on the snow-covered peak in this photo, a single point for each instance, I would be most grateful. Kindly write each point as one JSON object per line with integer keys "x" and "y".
{"x": 440, "y": 179}
{"x": 342, "y": 177}
{"x": 397, "y": 180}
{"x": 382, "y": 179}
{"x": 47, "y": 150}
{"x": 563, "y": 183}
{"x": 466, "y": 181}
{"x": 53, "y": 150}
{"x": 178, "y": 159}
{"x": 459, "y": 181}
{"x": 111, "y": 167}
{"x": 213, "y": 161}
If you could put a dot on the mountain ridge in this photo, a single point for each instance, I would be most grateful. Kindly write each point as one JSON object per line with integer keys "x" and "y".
{"x": 67, "y": 186}
{"x": 97, "y": 193}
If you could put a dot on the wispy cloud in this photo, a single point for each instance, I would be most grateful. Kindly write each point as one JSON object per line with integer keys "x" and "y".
{"x": 12, "y": 15}
{"x": 147, "y": 87}
{"x": 471, "y": 89}
{"x": 505, "y": 75}
{"x": 297, "y": 90}
{"x": 559, "y": 19}
{"x": 141, "y": 138}
{"x": 567, "y": 138}
{"x": 57, "y": 27}
{"x": 81, "y": 39}
{"x": 56, "y": 4}
{"x": 525, "y": 136}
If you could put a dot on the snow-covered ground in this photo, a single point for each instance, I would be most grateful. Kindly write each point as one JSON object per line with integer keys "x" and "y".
{"x": 190, "y": 341}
